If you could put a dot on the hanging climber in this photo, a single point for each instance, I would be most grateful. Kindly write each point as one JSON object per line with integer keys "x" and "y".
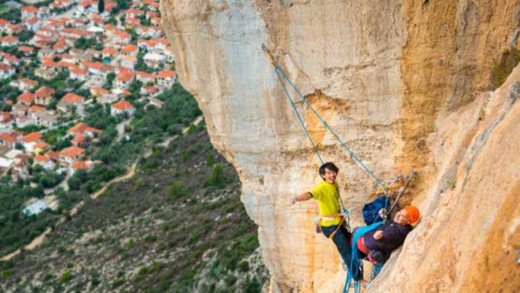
{"x": 377, "y": 244}
{"x": 332, "y": 221}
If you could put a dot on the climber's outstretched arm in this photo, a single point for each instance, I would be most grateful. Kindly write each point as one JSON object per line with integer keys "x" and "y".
{"x": 302, "y": 197}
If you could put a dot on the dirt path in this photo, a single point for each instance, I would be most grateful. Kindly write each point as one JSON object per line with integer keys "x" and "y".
{"x": 131, "y": 172}
{"x": 128, "y": 175}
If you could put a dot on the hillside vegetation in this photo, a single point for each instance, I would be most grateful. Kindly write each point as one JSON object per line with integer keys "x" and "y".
{"x": 176, "y": 226}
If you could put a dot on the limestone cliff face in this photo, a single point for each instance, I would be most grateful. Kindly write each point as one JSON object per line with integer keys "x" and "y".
{"x": 406, "y": 85}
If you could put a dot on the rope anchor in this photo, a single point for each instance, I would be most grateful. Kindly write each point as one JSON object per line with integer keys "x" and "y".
{"x": 518, "y": 257}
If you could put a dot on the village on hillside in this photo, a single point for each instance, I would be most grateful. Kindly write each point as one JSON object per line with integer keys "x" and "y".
{"x": 63, "y": 68}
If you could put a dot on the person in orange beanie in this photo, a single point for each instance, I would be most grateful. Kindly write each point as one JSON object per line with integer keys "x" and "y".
{"x": 378, "y": 244}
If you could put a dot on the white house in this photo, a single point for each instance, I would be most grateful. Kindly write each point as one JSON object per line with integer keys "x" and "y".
{"x": 6, "y": 71}
{"x": 122, "y": 107}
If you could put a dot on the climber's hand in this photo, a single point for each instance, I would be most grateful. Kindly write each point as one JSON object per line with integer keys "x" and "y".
{"x": 378, "y": 235}
{"x": 382, "y": 213}
{"x": 292, "y": 200}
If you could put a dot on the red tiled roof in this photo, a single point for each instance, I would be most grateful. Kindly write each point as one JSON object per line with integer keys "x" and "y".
{"x": 93, "y": 65}
{"x": 79, "y": 127}
{"x": 145, "y": 74}
{"x": 72, "y": 151}
{"x": 41, "y": 145}
{"x": 66, "y": 64}
{"x": 48, "y": 63}
{"x": 132, "y": 20}
{"x": 122, "y": 34}
{"x": 52, "y": 155}
{"x": 9, "y": 39}
{"x": 40, "y": 158}
{"x": 26, "y": 49}
{"x": 109, "y": 27}
{"x": 87, "y": 3}
{"x": 36, "y": 108}
{"x": 11, "y": 58}
{"x": 79, "y": 71}
{"x": 167, "y": 74}
{"x": 122, "y": 105}
{"x": 82, "y": 165}
{"x": 129, "y": 48}
{"x": 26, "y": 97}
{"x": 72, "y": 98}
{"x": 44, "y": 91}
{"x": 125, "y": 76}
{"x": 32, "y": 137}
{"x": 30, "y": 9}
{"x": 31, "y": 20}
{"x": 110, "y": 50}
{"x": 6, "y": 117}
{"x": 99, "y": 91}
{"x": 7, "y": 137}
{"x": 28, "y": 82}
{"x": 134, "y": 11}
{"x": 79, "y": 138}
{"x": 5, "y": 67}
{"x": 151, "y": 89}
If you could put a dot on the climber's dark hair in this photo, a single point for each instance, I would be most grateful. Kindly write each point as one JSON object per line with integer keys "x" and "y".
{"x": 330, "y": 166}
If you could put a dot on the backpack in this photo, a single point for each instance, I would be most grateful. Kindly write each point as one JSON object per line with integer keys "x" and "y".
{"x": 371, "y": 209}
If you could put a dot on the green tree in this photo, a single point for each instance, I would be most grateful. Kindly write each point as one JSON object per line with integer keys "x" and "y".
{"x": 110, "y": 80}
{"x": 74, "y": 183}
{"x": 101, "y": 6}
{"x": 217, "y": 177}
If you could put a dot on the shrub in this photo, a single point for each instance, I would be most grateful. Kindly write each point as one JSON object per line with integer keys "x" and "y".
{"x": 243, "y": 266}
{"x": 177, "y": 189}
{"x": 65, "y": 277}
{"x": 217, "y": 177}
{"x": 252, "y": 286}
{"x": 503, "y": 67}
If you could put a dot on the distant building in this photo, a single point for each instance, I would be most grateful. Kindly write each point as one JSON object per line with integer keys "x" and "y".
{"x": 79, "y": 74}
{"x": 166, "y": 78}
{"x": 70, "y": 155}
{"x": 44, "y": 161}
{"x": 121, "y": 108}
{"x": 29, "y": 11}
{"x": 25, "y": 84}
{"x": 71, "y": 101}
{"x": 82, "y": 165}
{"x": 30, "y": 140}
{"x": 26, "y": 98}
{"x": 44, "y": 95}
{"x": 6, "y": 71}
{"x": 35, "y": 208}
{"x": 124, "y": 79}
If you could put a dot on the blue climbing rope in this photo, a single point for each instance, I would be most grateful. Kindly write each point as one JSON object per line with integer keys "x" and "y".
{"x": 279, "y": 72}
{"x": 377, "y": 269}
{"x": 355, "y": 263}
{"x": 299, "y": 117}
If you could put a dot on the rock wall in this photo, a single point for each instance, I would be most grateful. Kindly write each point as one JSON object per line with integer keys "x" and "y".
{"x": 405, "y": 85}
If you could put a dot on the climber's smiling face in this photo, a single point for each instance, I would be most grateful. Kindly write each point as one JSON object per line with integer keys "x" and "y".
{"x": 402, "y": 217}
{"x": 329, "y": 176}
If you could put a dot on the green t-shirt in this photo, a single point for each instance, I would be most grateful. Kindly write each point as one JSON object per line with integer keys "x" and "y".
{"x": 327, "y": 196}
